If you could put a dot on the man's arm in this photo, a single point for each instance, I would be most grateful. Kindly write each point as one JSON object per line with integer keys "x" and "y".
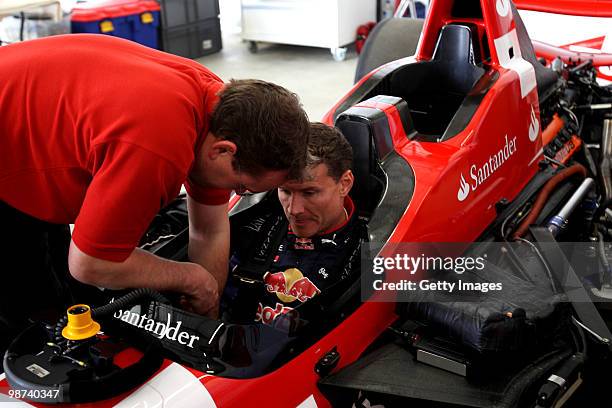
{"x": 145, "y": 270}
{"x": 209, "y": 232}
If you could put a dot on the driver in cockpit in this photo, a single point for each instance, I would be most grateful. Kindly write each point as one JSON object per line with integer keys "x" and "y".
{"x": 308, "y": 244}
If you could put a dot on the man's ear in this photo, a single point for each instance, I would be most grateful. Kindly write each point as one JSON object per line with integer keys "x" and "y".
{"x": 220, "y": 148}
{"x": 346, "y": 182}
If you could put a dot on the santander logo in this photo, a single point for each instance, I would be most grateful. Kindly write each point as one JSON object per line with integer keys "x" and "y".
{"x": 502, "y": 7}
{"x": 464, "y": 189}
{"x": 480, "y": 174}
{"x": 534, "y": 126}
{"x": 160, "y": 329}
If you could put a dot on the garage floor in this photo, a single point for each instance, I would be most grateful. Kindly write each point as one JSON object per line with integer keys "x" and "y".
{"x": 310, "y": 72}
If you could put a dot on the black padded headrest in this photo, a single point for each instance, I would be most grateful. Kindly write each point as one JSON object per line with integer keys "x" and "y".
{"x": 455, "y": 45}
{"x": 453, "y": 61}
{"x": 368, "y": 132}
{"x": 359, "y": 135}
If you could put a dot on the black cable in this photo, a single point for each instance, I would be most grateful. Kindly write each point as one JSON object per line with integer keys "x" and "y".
{"x": 515, "y": 261}
{"x": 59, "y": 326}
{"x": 544, "y": 263}
{"x": 128, "y": 300}
{"x": 582, "y": 337}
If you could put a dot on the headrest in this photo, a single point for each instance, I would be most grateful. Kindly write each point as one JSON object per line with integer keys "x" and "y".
{"x": 368, "y": 131}
{"x": 455, "y": 44}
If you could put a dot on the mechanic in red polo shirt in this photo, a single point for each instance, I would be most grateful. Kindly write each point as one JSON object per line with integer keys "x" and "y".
{"x": 102, "y": 132}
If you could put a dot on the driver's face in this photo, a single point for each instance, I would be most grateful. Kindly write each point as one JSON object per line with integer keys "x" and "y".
{"x": 315, "y": 204}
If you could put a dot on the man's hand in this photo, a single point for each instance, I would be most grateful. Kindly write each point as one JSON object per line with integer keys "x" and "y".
{"x": 145, "y": 270}
{"x": 203, "y": 296}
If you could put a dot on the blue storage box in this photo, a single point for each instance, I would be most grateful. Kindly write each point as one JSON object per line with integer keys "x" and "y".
{"x": 145, "y": 27}
{"x": 136, "y": 20}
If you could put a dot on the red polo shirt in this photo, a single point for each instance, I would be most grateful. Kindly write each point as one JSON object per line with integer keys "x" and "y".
{"x": 100, "y": 132}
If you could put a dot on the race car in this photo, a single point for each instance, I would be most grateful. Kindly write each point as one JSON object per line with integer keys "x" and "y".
{"x": 397, "y": 37}
{"x": 472, "y": 142}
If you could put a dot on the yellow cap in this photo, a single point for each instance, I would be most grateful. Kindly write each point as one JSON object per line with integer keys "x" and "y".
{"x": 80, "y": 324}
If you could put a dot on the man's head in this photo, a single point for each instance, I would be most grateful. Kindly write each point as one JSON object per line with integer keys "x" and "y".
{"x": 257, "y": 138}
{"x": 314, "y": 202}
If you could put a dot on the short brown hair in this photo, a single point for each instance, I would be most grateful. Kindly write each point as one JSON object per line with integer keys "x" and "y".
{"x": 327, "y": 145}
{"x": 267, "y": 124}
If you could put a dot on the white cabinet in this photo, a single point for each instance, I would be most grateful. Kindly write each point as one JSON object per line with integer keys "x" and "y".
{"x": 316, "y": 23}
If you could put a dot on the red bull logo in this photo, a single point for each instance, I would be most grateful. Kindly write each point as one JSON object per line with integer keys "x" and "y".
{"x": 290, "y": 285}
{"x": 266, "y": 314}
{"x": 304, "y": 243}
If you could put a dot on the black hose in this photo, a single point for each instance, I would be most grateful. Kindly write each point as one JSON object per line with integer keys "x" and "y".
{"x": 59, "y": 326}
{"x": 128, "y": 300}
{"x": 590, "y": 161}
{"x": 605, "y": 164}
{"x": 528, "y": 375}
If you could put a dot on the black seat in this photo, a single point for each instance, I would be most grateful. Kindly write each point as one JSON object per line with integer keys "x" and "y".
{"x": 454, "y": 58}
{"x": 435, "y": 89}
